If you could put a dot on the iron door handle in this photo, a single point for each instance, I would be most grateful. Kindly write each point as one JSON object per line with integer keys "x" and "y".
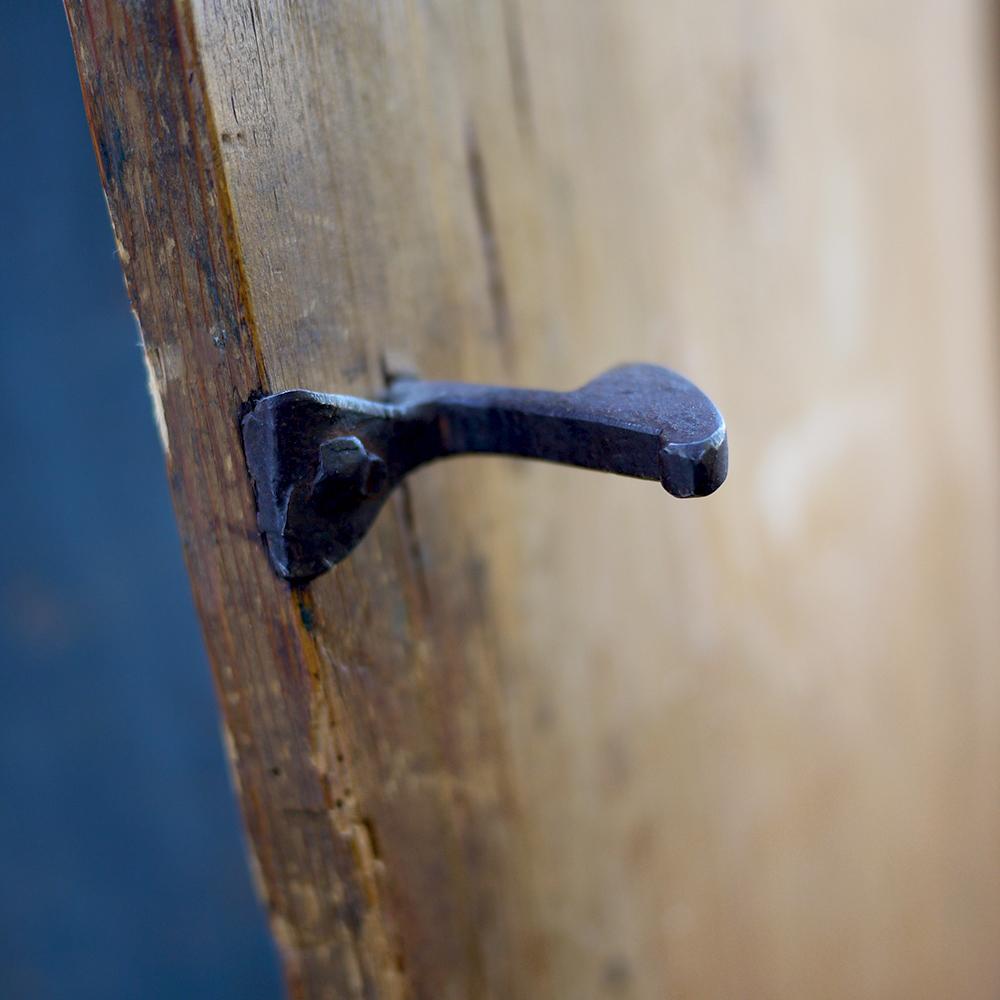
{"x": 323, "y": 465}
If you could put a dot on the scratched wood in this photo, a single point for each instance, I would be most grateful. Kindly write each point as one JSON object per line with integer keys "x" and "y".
{"x": 546, "y": 733}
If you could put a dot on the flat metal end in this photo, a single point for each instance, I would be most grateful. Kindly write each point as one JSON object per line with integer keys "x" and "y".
{"x": 695, "y": 469}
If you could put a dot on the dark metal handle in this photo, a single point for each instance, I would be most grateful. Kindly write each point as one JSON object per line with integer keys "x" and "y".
{"x": 323, "y": 465}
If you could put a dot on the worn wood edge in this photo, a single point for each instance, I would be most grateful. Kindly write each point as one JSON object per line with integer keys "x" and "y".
{"x": 132, "y": 57}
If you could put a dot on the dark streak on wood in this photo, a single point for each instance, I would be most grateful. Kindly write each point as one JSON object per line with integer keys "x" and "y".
{"x": 495, "y": 282}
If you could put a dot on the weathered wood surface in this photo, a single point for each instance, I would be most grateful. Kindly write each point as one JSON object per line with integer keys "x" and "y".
{"x": 547, "y": 734}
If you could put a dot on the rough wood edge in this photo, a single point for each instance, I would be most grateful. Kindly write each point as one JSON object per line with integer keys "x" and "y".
{"x": 159, "y": 158}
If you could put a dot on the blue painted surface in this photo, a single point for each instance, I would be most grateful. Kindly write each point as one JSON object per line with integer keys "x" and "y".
{"x": 122, "y": 868}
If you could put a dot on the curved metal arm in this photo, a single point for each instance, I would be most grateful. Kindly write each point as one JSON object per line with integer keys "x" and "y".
{"x": 323, "y": 465}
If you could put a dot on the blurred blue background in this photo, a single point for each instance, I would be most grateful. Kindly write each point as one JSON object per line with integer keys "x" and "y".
{"x": 122, "y": 866}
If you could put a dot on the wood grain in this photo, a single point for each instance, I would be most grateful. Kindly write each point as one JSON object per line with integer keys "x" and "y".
{"x": 549, "y": 734}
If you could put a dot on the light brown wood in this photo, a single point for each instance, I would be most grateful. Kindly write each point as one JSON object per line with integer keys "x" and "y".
{"x": 546, "y": 733}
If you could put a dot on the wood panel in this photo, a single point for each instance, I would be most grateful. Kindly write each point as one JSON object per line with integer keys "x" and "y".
{"x": 549, "y": 734}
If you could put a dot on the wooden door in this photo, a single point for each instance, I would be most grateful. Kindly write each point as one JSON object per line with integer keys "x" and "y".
{"x": 550, "y": 734}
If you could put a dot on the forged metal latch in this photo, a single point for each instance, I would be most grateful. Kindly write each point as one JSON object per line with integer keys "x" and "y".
{"x": 323, "y": 465}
